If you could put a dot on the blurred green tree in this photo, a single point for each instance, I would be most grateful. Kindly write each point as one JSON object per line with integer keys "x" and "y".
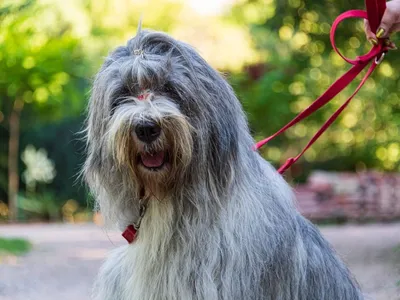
{"x": 43, "y": 75}
{"x": 298, "y": 65}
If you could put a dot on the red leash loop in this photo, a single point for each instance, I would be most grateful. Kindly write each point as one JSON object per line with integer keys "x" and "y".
{"x": 374, "y": 13}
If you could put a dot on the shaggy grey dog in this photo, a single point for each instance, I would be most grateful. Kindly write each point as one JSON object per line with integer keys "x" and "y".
{"x": 168, "y": 140}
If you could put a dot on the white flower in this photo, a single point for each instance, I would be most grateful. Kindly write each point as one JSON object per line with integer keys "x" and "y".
{"x": 39, "y": 168}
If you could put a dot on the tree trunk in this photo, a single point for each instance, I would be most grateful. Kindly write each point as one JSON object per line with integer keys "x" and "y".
{"x": 13, "y": 151}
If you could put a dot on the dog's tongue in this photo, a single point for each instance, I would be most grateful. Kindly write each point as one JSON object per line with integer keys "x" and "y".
{"x": 154, "y": 160}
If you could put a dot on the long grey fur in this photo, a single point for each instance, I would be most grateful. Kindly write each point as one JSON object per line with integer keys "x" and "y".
{"x": 227, "y": 228}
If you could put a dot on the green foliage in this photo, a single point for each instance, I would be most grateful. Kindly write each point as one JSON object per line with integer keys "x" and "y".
{"x": 43, "y": 63}
{"x": 14, "y": 246}
{"x": 40, "y": 207}
{"x": 299, "y": 65}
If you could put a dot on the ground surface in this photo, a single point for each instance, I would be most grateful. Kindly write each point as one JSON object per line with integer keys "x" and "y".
{"x": 65, "y": 259}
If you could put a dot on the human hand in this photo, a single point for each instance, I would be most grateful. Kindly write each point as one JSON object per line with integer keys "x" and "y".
{"x": 390, "y": 23}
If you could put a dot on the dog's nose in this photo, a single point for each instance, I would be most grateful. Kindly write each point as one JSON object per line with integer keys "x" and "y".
{"x": 148, "y": 131}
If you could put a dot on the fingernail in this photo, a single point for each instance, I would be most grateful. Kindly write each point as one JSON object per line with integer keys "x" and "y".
{"x": 380, "y": 33}
{"x": 373, "y": 41}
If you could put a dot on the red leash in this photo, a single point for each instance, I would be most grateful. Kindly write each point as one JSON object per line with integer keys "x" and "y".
{"x": 374, "y": 13}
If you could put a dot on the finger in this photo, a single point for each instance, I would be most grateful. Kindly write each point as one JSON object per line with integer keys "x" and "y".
{"x": 369, "y": 34}
{"x": 392, "y": 46}
{"x": 388, "y": 20}
{"x": 388, "y": 43}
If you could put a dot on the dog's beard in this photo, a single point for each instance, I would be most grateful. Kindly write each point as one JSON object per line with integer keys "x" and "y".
{"x": 156, "y": 168}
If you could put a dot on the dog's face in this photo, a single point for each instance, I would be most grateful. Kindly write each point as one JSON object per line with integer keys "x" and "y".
{"x": 150, "y": 135}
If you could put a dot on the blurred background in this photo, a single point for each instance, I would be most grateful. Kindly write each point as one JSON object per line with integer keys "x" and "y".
{"x": 278, "y": 58}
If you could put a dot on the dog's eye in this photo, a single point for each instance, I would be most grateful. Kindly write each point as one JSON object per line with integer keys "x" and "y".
{"x": 119, "y": 98}
{"x": 117, "y": 102}
{"x": 114, "y": 104}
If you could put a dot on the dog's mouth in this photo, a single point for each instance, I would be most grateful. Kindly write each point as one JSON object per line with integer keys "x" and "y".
{"x": 153, "y": 161}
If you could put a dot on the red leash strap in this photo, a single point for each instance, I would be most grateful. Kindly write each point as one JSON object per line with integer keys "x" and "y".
{"x": 374, "y": 13}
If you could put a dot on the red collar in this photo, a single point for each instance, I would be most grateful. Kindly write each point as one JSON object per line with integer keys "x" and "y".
{"x": 130, "y": 234}
{"x": 131, "y": 231}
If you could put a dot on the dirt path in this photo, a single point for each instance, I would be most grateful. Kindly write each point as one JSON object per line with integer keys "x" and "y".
{"x": 65, "y": 260}
{"x": 372, "y": 253}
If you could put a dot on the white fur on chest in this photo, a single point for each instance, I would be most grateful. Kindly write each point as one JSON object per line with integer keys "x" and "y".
{"x": 154, "y": 275}
{"x": 148, "y": 269}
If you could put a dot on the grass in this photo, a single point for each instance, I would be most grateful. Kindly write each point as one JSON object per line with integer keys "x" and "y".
{"x": 14, "y": 246}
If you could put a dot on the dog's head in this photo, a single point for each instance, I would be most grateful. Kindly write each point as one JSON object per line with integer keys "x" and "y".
{"x": 160, "y": 120}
